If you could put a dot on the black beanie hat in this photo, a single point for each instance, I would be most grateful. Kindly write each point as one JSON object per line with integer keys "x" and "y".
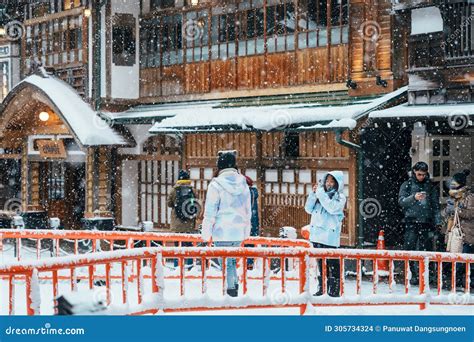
{"x": 183, "y": 174}
{"x": 461, "y": 177}
{"x": 226, "y": 160}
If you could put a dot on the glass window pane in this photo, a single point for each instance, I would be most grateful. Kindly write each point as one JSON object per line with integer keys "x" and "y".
{"x": 436, "y": 168}
{"x": 436, "y": 148}
{"x": 446, "y": 145}
{"x": 446, "y": 168}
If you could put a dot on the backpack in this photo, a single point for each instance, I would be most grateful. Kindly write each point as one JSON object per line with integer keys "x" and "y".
{"x": 186, "y": 206}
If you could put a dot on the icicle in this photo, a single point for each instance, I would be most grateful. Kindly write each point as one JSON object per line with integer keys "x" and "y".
{"x": 35, "y": 293}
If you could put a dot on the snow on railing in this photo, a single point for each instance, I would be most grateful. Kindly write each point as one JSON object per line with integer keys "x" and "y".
{"x": 158, "y": 293}
{"x": 85, "y": 241}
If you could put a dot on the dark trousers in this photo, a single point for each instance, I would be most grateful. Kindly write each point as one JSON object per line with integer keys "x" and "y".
{"x": 333, "y": 269}
{"x": 419, "y": 237}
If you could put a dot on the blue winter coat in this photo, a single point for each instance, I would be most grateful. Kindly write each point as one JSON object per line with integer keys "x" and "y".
{"x": 327, "y": 212}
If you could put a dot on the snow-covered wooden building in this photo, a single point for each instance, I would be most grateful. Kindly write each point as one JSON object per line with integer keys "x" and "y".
{"x": 156, "y": 86}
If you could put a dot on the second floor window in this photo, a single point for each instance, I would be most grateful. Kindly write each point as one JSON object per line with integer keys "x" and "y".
{"x": 160, "y": 4}
{"x": 242, "y": 29}
{"x": 54, "y": 43}
{"x": 123, "y": 37}
{"x": 459, "y": 28}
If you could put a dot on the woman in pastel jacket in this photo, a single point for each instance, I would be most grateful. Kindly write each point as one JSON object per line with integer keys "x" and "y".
{"x": 227, "y": 213}
{"x": 326, "y": 205}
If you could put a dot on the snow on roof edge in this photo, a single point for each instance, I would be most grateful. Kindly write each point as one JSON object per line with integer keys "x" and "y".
{"x": 443, "y": 110}
{"x": 87, "y": 126}
{"x": 271, "y": 117}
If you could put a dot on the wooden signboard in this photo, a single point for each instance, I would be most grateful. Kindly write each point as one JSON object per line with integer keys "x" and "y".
{"x": 51, "y": 149}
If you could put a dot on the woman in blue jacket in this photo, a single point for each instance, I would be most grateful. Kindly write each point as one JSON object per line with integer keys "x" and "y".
{"x": 326, "y": 205}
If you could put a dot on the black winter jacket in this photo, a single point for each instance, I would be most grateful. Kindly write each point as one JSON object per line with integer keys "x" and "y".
{"x": 425, "y": 211}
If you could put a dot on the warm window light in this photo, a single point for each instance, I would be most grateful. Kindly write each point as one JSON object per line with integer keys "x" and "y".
{"x": 2, "y": 31}
{"x": 87, "y": 13}
{"x": 194, "y": 2}
{"x": 44, "y": 116}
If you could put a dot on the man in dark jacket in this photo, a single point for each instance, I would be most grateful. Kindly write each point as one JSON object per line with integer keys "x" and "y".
{"x": 420, "y": 203}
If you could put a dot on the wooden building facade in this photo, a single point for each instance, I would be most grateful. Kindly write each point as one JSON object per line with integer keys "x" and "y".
{"x": 132, "y": 63}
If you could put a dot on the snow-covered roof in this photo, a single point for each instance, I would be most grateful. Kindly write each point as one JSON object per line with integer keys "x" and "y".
{"x": 81, "y": 119}
{"x": 146, "y": 113}
{"x": 314, "y": 116}
{"x": 444, "y": 110}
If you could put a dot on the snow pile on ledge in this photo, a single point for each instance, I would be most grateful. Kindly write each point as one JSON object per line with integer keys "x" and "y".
{"x": 405, "y": 110}
{"x": 267, "y": 117}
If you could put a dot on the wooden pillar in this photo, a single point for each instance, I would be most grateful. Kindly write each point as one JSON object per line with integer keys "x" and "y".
{"x": 89, "y": 182}
{"x": 103, "y": 179}
{"x": 34, "y": 188}
{"x": 260, "y": 178}
{"x": 118, "y": 189}
{"x": 24, "y": 177}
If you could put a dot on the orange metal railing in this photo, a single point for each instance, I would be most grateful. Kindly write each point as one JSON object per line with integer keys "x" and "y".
{"x": 150, "y": 292}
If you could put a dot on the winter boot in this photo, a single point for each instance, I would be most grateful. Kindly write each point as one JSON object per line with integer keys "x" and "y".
{"x": 320, "y": 288}
{"x": 333, "y": 287}
{"x": 233, "y": 292}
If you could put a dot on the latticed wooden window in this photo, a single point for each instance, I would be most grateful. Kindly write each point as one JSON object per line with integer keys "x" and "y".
{"x": 459, "y": 28}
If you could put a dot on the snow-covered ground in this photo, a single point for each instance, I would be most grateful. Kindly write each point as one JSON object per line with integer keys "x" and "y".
{"x": 214, "y": 293}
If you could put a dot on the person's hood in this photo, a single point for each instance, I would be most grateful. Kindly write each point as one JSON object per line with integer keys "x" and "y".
{"x": 339, "y": 177}
{"x": 231, "y": 181}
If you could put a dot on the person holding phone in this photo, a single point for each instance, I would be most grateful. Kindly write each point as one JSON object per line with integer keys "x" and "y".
{"x": 420, "y": 204}
{"x": 326, "y": 205}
